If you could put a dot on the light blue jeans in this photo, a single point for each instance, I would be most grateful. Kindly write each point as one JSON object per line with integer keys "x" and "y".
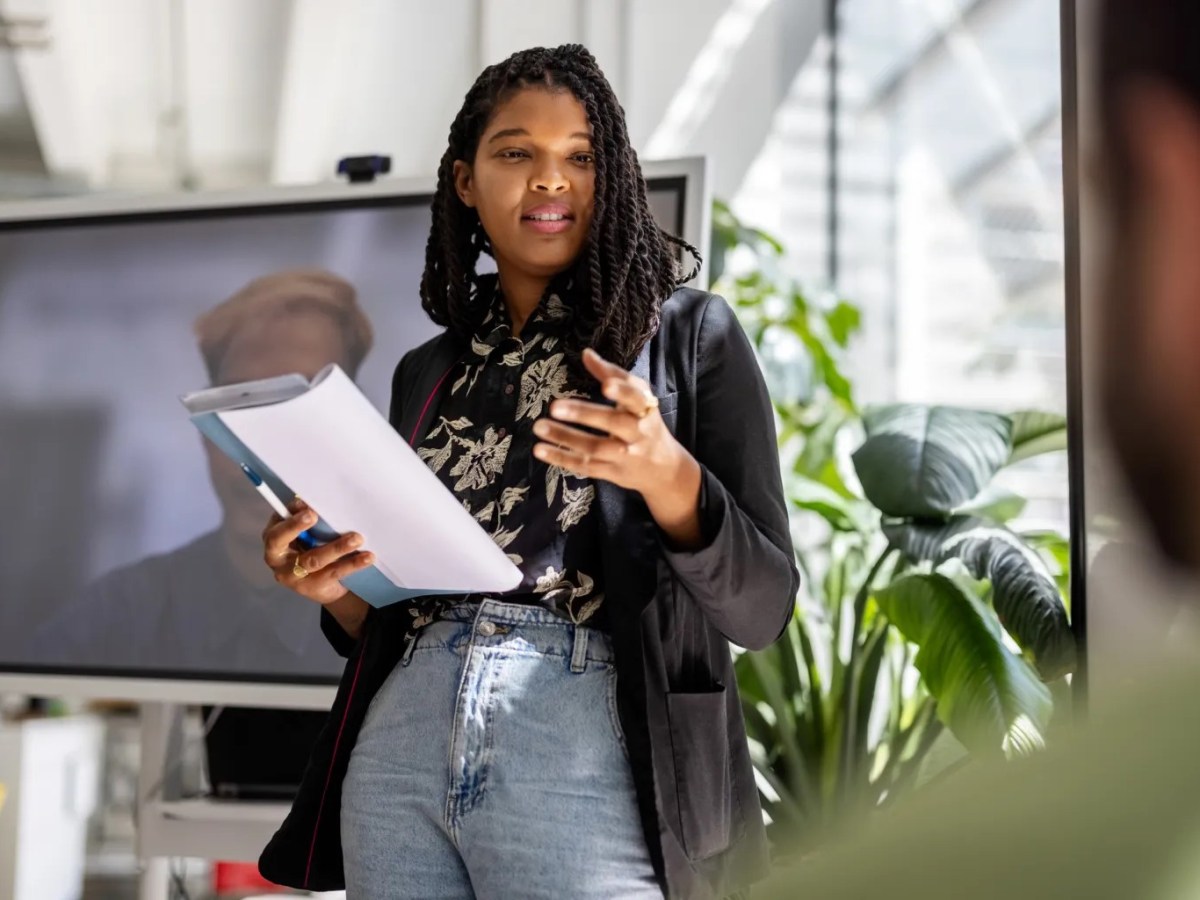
{"x": 491, "y": 764}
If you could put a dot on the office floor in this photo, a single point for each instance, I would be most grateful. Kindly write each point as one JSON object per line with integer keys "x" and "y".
{"x": 125, "y": 887}
{"x": 112, "y": 874}
{"x": 109, "y": 887}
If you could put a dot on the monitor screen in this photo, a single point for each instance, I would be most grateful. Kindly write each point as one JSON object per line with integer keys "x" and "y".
{"x": 131, "y": 549}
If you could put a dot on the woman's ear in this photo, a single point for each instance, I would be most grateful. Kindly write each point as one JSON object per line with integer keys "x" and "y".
{"x": 463, "y": 183}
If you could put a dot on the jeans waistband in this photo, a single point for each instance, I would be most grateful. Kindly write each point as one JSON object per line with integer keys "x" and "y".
{"x": 515, "y": 626}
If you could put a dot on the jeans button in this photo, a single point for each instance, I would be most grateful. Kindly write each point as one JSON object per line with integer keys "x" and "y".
{"x": 487, "y": 629}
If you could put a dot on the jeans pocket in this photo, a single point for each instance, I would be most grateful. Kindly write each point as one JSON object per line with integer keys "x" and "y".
{"x": 382, "y": 693}
{"x": 614, "y": 718}
{"x": 700, "y": 751}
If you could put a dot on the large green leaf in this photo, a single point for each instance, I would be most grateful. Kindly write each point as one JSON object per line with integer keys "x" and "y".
{"x": 1034, "y": 433}
{"x": 1056, "y": 549}
{"x": 831, "y": 374}
{"x": 987, "y": 695}
{"x": 995, "y": 503}
{"x": 1025, "y": 595}
{"x": 820, "y": 445}
{"x": 926, "y": 461}
{"x": 843, "y": 320}
{"x": 842, "y": 514}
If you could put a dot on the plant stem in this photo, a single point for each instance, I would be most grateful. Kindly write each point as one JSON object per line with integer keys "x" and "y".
{"x": 805, "y": 571}
{"x": 928, "y": 728}
{"x": 785, "y": 720}
{"x": 850, "y": 687}
{"x": 866, "y": 679}
{"x": 815, "y": 692}
{"x": 899, "y": 670}
{"x": 901, "y": 738}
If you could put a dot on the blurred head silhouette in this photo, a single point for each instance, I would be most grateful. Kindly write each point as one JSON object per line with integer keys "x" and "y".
{"x": 1150, "y": 171}
{"x": 299, "y": 320}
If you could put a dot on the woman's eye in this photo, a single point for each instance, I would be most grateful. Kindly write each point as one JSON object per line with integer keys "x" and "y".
{"x": 513, "y": 154}
{"x": 583, "y": 158}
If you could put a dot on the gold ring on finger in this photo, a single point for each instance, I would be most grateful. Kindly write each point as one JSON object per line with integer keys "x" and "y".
{"x": 651, "y": 405}
{"x": 298, "y": 570}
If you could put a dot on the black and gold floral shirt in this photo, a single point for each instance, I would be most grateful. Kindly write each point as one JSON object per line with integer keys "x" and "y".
{"x": 480, "y": 444}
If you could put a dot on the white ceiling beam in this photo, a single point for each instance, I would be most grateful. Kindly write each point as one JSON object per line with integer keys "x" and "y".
{"x": 319, "y": 44}
{"x": 725, "y": 105}
{"x": 372, "y": 76}
{"x": 60, "y": 78}
{"x": 230, "y": 63}
{"x": 511, "y": 25}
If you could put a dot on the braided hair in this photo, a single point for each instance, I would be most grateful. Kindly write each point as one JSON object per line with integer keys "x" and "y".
{"x": 628, "y": 265}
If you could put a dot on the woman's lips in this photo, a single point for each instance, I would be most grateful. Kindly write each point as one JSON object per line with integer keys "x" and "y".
{"x": 550, "y": 218}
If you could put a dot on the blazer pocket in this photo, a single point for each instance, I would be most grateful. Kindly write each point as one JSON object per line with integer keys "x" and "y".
{"x": 668, "y": 405}
{"x": 700, "y": 748}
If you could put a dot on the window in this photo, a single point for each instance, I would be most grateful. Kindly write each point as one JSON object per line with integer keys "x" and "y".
{"x": 947, "y": 191}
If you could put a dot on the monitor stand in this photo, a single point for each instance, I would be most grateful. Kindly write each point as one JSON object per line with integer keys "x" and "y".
{"x": 171, "y": 825}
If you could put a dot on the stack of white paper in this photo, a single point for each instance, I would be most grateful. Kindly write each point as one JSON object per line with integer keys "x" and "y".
{"x": 326, "y": 443}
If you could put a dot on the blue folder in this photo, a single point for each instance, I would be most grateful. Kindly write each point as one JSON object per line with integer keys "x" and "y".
{"x": 370, "y": 583}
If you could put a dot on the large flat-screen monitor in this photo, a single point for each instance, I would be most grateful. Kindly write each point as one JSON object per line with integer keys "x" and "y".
{"x": 130, "y": 557}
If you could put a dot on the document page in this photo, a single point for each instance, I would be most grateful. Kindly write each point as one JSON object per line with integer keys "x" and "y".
{"x": 334, "y": 449}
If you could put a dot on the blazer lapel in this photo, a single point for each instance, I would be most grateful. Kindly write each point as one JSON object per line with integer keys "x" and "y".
{"x": 420, "y": 399}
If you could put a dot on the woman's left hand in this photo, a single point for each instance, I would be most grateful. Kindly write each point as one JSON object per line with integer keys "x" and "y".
{"x": 635, "y": 450}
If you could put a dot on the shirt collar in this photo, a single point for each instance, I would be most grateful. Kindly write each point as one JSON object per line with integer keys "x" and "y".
{"x": 552, "y": 315}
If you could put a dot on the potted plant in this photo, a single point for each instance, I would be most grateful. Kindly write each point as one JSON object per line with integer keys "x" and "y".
{"x": 926, "y": 626}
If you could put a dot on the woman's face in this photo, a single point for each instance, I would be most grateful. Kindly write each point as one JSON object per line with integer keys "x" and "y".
{"x": 532, "y": 181}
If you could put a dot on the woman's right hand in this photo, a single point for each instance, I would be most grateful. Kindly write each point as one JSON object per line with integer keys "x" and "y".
{"x": 320, "y": 569}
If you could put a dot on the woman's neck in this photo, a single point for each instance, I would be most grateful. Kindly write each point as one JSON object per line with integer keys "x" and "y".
{"x": 522, "y": 294}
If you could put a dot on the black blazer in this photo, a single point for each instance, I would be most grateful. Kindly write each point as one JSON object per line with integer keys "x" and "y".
{"x": 672, "y": 616}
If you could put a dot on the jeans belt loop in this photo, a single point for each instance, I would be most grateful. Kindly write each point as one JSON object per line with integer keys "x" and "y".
{"x": 408, "y": 651}
{"x": 579, "y": 651}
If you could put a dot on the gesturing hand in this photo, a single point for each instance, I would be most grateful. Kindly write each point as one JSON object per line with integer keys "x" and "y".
{"x": 635, "y": 449}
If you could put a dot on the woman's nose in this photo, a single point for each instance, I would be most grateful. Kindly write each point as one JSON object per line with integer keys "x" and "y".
{"x": 549, "y": 180}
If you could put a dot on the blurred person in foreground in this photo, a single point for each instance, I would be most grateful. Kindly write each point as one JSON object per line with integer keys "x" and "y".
{"x": 210, "y": 605}
{"x": 1112, "y": 811}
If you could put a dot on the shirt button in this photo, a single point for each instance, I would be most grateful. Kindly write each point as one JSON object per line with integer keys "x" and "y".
{"x": 502, "y": 432}
{"x": 487, "y": 629}
{"x": 508, "y": 389}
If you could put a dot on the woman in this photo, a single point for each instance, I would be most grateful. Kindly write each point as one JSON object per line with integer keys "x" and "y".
{"x": 580, "y": 736}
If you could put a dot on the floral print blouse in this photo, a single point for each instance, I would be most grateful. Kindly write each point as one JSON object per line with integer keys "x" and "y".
{"x": 480, "y": 444}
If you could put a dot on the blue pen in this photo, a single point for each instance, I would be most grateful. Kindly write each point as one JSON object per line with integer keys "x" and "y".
{"x": 276, "y": 504}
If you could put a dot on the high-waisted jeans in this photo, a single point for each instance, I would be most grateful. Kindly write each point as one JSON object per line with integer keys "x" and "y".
{"x": 491, "y": 764}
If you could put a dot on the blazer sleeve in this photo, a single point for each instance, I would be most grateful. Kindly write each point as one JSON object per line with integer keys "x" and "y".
{"x": 744, "y": 576}
{"x": 342, "y": 643}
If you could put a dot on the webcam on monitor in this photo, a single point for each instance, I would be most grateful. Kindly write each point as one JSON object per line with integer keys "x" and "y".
{"x": 364, "y": 168}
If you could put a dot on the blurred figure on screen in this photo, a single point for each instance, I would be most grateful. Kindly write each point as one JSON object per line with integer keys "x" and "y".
{"x": 294, "y": 321}
{"x": 1113, "y": 812}
{"x": 212, "y": 604}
